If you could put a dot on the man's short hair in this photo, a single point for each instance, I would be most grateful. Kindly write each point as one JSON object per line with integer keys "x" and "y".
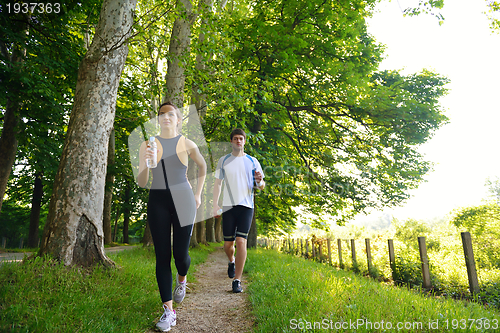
{"x": 238, "y": 131}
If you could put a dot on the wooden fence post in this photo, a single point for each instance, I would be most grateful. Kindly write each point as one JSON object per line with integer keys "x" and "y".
{"x": 21, "y": 241}
{"x": 329, "y": 251}
{"x": 320, "y": 243}
{"x": 307, "y": 247}
{"x": 353, "y": 251}
{"x": 313, "y": 245}
{"x": 392, "y": 259}
{"x": 339, "y": 242}
{"x": 470, "y": 263}
{"x": 368, "y": 256}
{"x": 425, "y": 263}
{"x": 4, "y": 242}
{"x": 301, "y": 247}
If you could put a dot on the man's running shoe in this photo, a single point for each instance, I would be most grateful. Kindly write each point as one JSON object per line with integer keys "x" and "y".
{"x": 167, "y": 320}
{"x": 180, "y": 289}
{"x": 230, "y": 269}
{"x": 237, "y": 286}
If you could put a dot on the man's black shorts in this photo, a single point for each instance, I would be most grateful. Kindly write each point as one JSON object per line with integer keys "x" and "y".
{"x": 236, "y": 222}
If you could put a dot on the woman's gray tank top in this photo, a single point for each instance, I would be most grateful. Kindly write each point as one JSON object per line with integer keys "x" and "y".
{"x": 170, "y": 173}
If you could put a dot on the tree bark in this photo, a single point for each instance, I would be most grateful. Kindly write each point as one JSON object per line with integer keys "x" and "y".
{"x": 210, "y": 230}
{"x": 180, "y": 41}
{"x": 252, "y": 234}
{"x": 193, "y": 242}
{"x": 126, "y": 213}
{"x": 36, "y": 204}
{"x": 117, "y": 216}
{"x": 147, "y": 239}
{"x": 218, "y": 229}
{"x": 74, "y": 233}
{"x": 200, "y": 232}
{"x": 8, "y": 145}
{"x": 108, "y": 194}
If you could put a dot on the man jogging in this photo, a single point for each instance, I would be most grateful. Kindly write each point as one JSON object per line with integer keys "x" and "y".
{"x": 241, "y": 173}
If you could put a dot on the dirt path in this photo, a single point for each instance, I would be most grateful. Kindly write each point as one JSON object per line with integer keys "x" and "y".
{"x": 210, "y": 305}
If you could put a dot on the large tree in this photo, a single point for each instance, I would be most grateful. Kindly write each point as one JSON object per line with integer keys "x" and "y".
{"x": 73, "y": 232}
{"x": 334, "y": 135}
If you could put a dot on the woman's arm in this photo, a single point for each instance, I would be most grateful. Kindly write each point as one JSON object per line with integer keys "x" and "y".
{"x": 195, "y": 155}
{"x": 143, "y": 176}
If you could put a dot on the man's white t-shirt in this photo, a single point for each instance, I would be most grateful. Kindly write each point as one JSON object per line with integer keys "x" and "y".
{"x": 238, "y": 179}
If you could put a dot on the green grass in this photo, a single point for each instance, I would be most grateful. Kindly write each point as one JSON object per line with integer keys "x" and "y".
{"x": 287, "y": 294}
{"x": 293, "y": 294}
{"x": 41, "y": 295}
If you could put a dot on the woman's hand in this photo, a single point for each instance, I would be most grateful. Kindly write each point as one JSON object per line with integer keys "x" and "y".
{"x": 148, "y": 154}
{"x": 197, "y": 198}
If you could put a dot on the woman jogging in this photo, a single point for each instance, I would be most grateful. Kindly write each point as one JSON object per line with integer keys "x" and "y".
{"x": 171, "y": 205}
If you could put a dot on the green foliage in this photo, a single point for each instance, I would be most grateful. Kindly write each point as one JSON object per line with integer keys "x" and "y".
{"x": 333, "y": 134}
{"x": 483, "y": 222}
{"x": 15, "y": 222}
{"x": 408, "y": 271}
{"x": 409, "y": 231}
{"x": 306, "y": 87}
{"x": 42, "y": 80}
{"x": 493, "y": 185}
{"x": 494, "y": 14}
{"x": 427, "y": 7}
{"x": 444, "y": 251}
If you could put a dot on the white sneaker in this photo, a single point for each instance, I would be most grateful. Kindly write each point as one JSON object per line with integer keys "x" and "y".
{"x": 167, "y": 320}
{"x": 180, "y": 290}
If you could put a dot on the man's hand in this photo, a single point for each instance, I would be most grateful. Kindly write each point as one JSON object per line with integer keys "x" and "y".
{"x": 216, "y": 211}
{"x": 258, "y": 176}
{"x": 259, "y": 180}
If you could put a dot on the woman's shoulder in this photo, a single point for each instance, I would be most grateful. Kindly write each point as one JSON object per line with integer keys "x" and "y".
{"x": 189, "y": 143}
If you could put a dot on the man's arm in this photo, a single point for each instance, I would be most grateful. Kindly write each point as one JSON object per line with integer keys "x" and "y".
{"x": 259, "y": 179}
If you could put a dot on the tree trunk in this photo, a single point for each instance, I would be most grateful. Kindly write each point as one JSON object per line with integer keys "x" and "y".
{"x": 117, "y": 216}
{"x": 126, "y": 213}
{"x": 108, "y": 194}
{"x": 218, "y": 229}
{"x": 73, "y": 233}
{"x": 210, "y": 230}
{"x": 193, "y": 242}
{"x": 36, "y": 204}
{"x": 180, "y": 41}
{"x": 200, "y": 232}
{"x": 147, "y": 239}
{"x": 252, "y": 234}
{"x": 8, "y": 145}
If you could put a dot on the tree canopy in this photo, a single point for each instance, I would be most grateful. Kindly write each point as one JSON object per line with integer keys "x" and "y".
{"x": 334, "y": 135}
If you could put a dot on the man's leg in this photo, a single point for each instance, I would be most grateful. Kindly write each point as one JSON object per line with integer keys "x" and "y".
{"x": 228, "y": 230}
{"x": 229, "y": 249}
{"x": 241, "y": 256}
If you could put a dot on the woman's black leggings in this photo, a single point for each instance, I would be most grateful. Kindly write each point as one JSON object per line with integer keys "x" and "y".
{"x": 162, "y": 215}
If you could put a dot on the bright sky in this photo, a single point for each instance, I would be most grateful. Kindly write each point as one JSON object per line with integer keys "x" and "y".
{"x": 467, "y": 150}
